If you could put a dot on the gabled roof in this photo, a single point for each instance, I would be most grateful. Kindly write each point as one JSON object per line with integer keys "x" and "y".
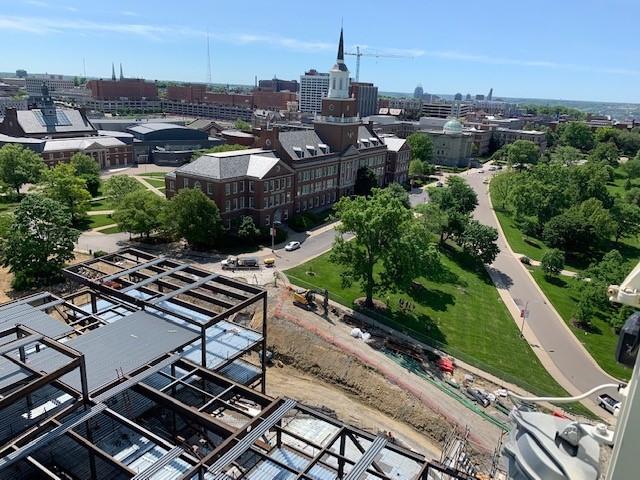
{"x": 394, "y": 144}
{"x": 204, "y": 124}
{"x": 82, "y": 143}
{"x": 255, "y": 163}
{"x": 64, "y": 121}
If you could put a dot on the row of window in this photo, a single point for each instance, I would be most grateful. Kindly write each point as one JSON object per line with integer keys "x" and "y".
{"x": 277, "y": 184}
{"x": 317, "y": 173}
{"x": 275, "y": 200}
{"x": 319, "y": 200}
{"x": 316, "y": 187}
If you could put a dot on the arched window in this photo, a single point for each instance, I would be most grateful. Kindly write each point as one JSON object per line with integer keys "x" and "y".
{"x": 334, "y": 83}
{"x": 340, "y": 84}
{"x": 197, "y": 185}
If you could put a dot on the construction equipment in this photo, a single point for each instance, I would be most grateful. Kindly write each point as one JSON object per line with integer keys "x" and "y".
{"x": 359, "y": 54}
{"x": 305, "y": 298}
{"x": 233, "y": 263}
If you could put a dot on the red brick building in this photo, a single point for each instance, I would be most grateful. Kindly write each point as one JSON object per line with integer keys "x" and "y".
{"x": 128, "y": 88}
{"x": 253, "y": 183}
{"x": 107, "y": 151}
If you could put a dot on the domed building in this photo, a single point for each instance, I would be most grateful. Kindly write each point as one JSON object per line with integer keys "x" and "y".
{"x": 451, "y": 146}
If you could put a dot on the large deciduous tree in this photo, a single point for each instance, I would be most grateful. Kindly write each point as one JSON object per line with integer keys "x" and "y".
{"x": 457, "y": 201}
{"x": 39, "y": 243}
{"x": 88, "y": 169}
{"x": 607, "y": 152}
{"x": 421, "y": 147}
{"x": 193, "y": 216}
{"x": 19, "y": 165}
{"x": 140, "y": 212}
{"x": 400, "y": 193}
{"x": 62, "y": 184}
{"x": 365, "y": 181}
{"x": 578, "y": 135}
{"x": 627, "y": 219}
{"x": 566, "y": 155}
{"x": 502, "y": 187}
{"x": 117, "y": 187}
{"x": 390, "y": 249}
{"x": 552, "y": 262}
{"x": 522, "y": 152}
{"x": 480, "y": 241}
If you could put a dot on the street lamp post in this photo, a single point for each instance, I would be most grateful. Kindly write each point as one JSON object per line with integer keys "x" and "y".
{"x": 273, "y": 234}
{"x": 524, "y": 314}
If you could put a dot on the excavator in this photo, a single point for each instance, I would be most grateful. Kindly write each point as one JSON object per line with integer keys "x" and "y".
{"x": 305, "y": 298}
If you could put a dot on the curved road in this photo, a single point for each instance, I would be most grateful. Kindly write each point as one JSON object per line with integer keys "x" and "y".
{"x": 557, "y": 347}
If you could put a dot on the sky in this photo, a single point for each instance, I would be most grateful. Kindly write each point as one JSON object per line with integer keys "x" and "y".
{"x": 560, "y": 49}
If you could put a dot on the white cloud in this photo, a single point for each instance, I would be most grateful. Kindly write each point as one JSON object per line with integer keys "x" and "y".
{"x": 523, "y": 62}
{"x": 129, "y": 13}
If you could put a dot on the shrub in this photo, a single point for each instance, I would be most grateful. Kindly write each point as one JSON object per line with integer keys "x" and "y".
{"x": 99, "y": 253}
{"x": 526, "y": 260}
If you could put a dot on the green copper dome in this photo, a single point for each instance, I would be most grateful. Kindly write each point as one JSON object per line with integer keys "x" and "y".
{"x": 452, "y": 127}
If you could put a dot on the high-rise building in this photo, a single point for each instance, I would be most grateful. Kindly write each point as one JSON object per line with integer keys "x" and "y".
{"x": 313, "y": 86}
{"x": 53, "y": 82}
{"x": 417, "y": 93}
{"x": 278, "y": 85}
{"x": 366, "y": 95}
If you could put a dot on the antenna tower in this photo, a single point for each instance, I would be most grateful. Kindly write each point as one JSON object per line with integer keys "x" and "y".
{"x": 208, "y": 60}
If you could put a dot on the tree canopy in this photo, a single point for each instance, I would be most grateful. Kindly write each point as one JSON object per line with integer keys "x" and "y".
{"x": 19, "y": 165}
{"x": 421, "y": 147}
{"x": 480, "y": 241}
{"x": 193, "y": 216}
{"x": 400, "y": 193}
{"x": 88, "y": 169}
{"x": 365, "y": 181}
{"x": 390, "y": 249}
{"x": 117, "y": 187}
{"x": 552, "y": 262}
{"x": 39, "y": 243}
{"x": 62, "y": 184}
{"x": 578, "y": 135}
{"x": 140, "y": 212}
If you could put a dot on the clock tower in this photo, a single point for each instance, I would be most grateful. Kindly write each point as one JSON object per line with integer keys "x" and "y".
{"x": 338, "y": 122}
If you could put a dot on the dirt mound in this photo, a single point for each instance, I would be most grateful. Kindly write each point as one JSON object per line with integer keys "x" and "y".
{"x": 305, "y": 351}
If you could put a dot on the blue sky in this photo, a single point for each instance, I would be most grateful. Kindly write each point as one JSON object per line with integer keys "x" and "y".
{"x": 561, "y": 49}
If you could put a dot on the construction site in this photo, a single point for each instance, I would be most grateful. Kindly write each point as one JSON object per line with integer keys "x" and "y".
{"x": 153, "y": 368}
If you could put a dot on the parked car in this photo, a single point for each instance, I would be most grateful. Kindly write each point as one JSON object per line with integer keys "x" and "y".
{"x": 499, "y": 167}
{"x": 439, "y": 184}
{"x": 481, "y": 171}
{"x": 492, "y": 168}
{"x": 292, "y": 246}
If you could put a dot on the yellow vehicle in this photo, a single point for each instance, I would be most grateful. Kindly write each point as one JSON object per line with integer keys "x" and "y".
{"x": 269, "y": 262}
{"x": 304, "y": 298}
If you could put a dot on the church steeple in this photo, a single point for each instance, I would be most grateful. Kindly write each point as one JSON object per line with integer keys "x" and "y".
{"x": 121, "y": 75}
{"x": 339, "y": 74}
{"x": 113, "y": 71}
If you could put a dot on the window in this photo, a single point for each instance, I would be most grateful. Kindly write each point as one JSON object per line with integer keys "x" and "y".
{"x": 265, "y": 201}
{"x": 304, "y": 205}
{"x": 171, "y": 185}
{"x": 266, "y": 186}
{"x": 235, "y": 203}
{"x": 267, "y": 220}
{"x": 227, "y": 223}
{"x": 317, "y": 201}
{"x": 251, "y": 186}
{"x": 235, "y": 187}
{"x": 278, "y": 184}
{"x": 197, "y": 185}
{"x": 209, "y": 188}
{"x": 227, "y": 189}
{"x": 242, "y": 186}
{"x": 185, "y": 183}
{"x": 286, "y": 214}
{"x": 288, "y": 197}
{"x": 298, "y": 207}
{"x": 271, "y": 185}
{"x": 289, "y": 182}
{"x": 252, "y": 202}
{"x": 228, "y": 206}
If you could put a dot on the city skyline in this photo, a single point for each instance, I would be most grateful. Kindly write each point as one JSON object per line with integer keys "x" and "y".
{"x": 569, "y": 50}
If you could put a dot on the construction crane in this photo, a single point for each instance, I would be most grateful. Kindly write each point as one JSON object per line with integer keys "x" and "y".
{"x": 359, "y": 54}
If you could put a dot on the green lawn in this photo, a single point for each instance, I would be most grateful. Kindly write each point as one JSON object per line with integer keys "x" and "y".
{"x": 98, "y": 205}
{"x": 533, "y": 248}
{"x": 96, "y": 221}
{"x": 114, "y": 229}
{"x": 601, "y": 342}
{"x": 464, "y": 312}
{"x": 153, "y": 174}
{"x": 155, "y": 182}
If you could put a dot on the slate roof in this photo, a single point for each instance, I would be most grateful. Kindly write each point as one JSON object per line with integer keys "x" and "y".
{"x": 81, "y": 143}
{"x": 300, "y": 139}
{"x": 66, "y": 121}
{"x": 363, "y": 132}
{"x": 254, "y": 163}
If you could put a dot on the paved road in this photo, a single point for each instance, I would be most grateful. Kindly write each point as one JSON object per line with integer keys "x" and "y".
{"x": 553, "y": 336}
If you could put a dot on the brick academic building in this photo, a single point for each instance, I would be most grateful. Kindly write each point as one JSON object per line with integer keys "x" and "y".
{"x": 291, "y": 172}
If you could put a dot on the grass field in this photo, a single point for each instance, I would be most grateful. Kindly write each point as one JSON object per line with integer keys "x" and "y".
{"x": 100, "y": 205}
{"x": 153, "y": 174}
{"x": 463, "y": 310}
{"x": 155, "y": 182}
{"x": 600, "y": 342}
{"x": 114, "y": 229}
{"x": 96, "y": 221}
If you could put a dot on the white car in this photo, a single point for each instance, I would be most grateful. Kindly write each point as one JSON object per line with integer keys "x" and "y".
{"x": 292, "y": 246}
